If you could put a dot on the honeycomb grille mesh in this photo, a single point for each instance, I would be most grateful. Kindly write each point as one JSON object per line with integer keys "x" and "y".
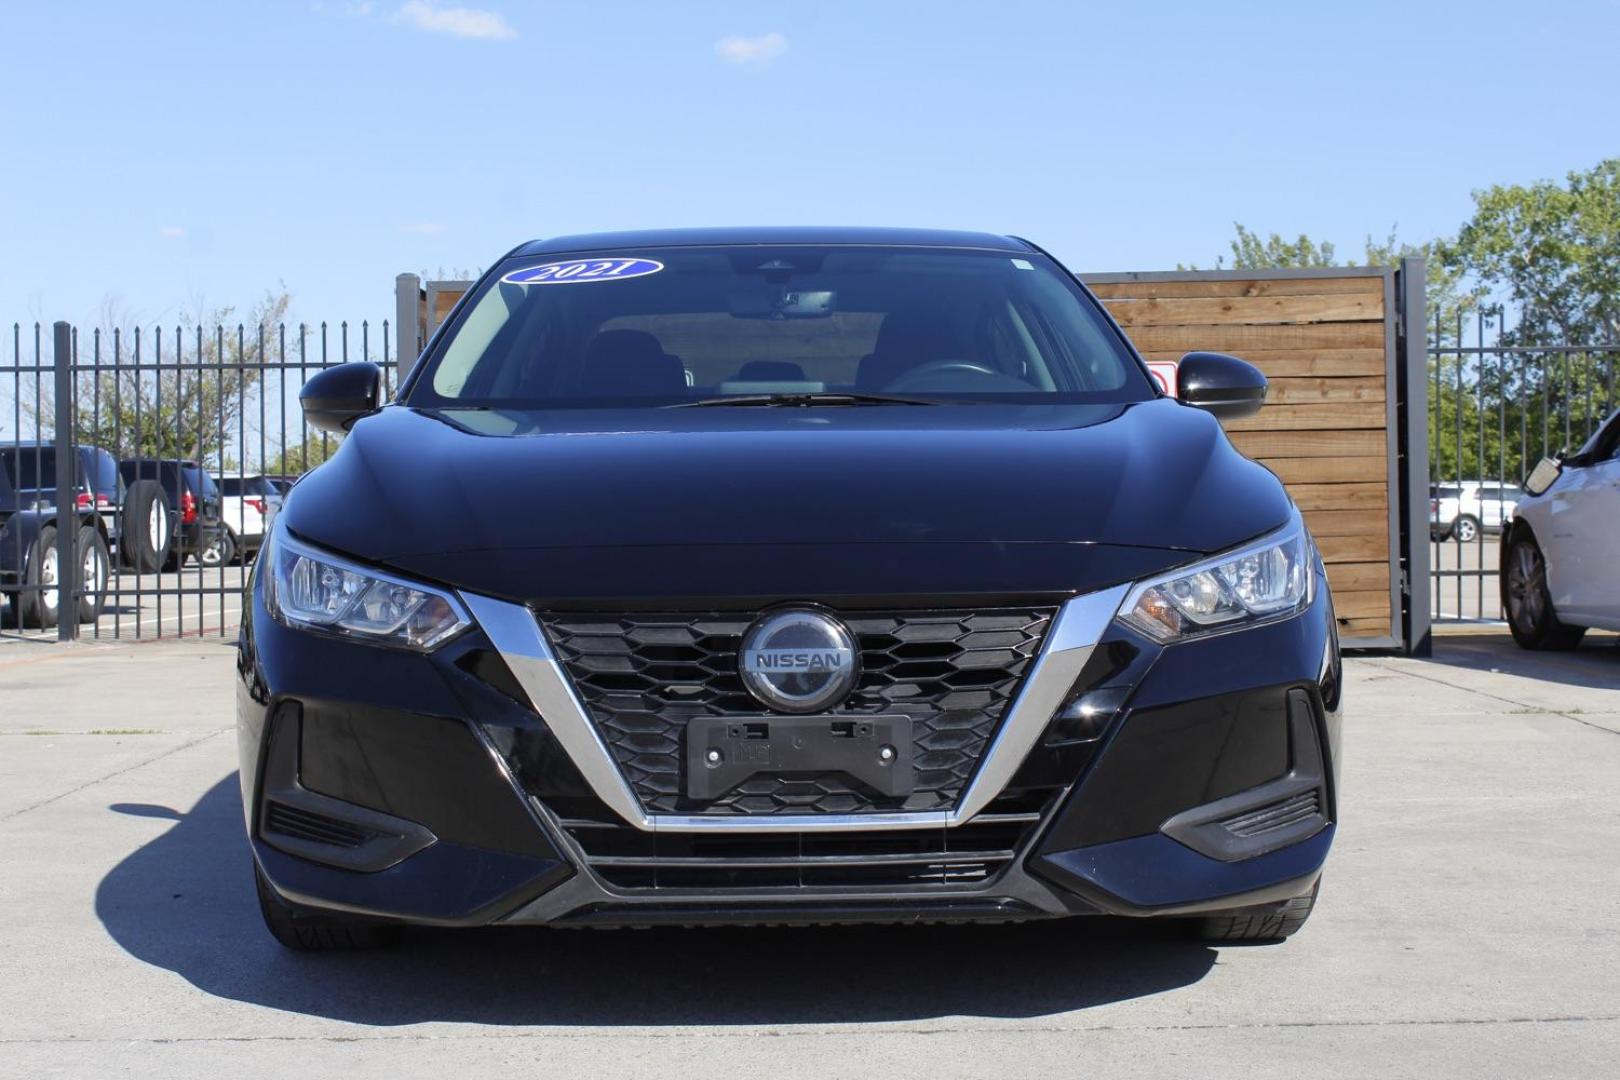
{"x": 642, "y": 677}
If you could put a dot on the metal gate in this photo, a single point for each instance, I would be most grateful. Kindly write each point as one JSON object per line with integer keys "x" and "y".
{"x": 1498, "y": 405}
{"x": 193, "y": 417}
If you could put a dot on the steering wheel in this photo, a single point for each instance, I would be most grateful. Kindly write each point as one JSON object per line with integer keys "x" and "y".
{"x": 938, "y": 367}
{"x": 920, "y": 377}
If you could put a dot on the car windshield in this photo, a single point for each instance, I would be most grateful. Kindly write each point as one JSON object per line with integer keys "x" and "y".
{"x": 765, "y": 325}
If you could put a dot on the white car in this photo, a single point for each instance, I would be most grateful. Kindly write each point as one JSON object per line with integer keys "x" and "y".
{"x": 248, "y": 504}
{"x": 1461, "y": 510}
{"x": 1560, "y": 568}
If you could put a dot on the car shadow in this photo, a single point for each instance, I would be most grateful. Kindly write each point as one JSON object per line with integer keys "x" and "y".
{"x": 185, "y": 902}
{"x": 1595, "y": 664}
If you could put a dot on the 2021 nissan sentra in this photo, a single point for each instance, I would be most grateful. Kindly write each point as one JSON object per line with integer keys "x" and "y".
{"x": 788, "y": 575}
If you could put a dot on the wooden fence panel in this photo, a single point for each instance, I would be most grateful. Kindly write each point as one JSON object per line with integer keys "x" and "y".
{"x": 1322, "y": 341}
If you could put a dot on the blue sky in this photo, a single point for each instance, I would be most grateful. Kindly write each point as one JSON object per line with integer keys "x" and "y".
{"x": 170, "y": 155}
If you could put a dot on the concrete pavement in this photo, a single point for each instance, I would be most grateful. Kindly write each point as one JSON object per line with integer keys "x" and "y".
{"x": 1469, "y": 924}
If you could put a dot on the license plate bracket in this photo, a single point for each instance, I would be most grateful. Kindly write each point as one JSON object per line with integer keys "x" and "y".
{"x": 722, "y": 752}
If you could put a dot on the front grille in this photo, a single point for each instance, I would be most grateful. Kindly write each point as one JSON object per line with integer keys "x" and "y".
{"x": 642, "y": 677}
{"x": 964, "y": 857}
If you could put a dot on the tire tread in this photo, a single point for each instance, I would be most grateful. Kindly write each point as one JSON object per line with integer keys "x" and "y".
{"x": 1264, "y": 922}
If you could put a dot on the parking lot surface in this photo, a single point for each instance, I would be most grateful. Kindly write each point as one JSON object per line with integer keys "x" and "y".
{"x": 1469, "y": 924}
{"x": 195, "y": 601}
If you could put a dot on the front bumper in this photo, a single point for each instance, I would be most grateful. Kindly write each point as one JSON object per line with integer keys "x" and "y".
{"x": 429, "y": 789}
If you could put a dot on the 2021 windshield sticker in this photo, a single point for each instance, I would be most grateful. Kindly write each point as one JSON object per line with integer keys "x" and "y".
{"x": 583, "y": 270}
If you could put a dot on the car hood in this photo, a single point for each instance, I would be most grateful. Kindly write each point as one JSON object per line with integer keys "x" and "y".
{"x": 798, "y": 501}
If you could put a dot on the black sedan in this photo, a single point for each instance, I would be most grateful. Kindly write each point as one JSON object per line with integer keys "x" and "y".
{"x": 774, "y": 576}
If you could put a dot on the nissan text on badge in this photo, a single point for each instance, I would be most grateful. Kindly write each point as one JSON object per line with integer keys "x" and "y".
{"x": 785, "y": 575}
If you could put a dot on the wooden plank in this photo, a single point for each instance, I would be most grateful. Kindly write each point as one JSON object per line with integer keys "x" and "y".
{"x": 1241, "y": 339}
{"x": 1355, "y": 604}
{"x": 1348, "y": 523}
{"x": 1269, "y": 446}
{"x": 1312, "y": 390}
{"x": 1371, "y": 498}
{"x": 1330, "y": 416}
{"x": 1247, "y": 310}
{"x": 1328, "y": 470}
{"x": 1363, "y": 576}
{"x": 1305, "y": 363}
{"x": 1350, "y": 629}
{"x": 1313, "y": 286}
{"x": 1343, "y": 549}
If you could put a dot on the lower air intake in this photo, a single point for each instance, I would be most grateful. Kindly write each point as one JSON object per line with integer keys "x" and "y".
{"x": 315, "y": 828}
{"x": 1277, "y": 815}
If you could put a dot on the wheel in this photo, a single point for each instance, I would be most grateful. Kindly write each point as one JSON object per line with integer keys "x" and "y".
{"x": 317, "y": 933}
{"x": 94, "y": 563}
{"x": 145, "y": 535}
{"x": 1262, "y": 922}
{"x": 1528, "y": 604}
{"x": 36, "y": 607}
{"x": 1465, "y": 528}
{"x": 220, "y": 550}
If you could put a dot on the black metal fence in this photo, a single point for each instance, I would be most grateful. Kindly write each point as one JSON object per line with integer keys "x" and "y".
{"x": 150, "y": 442}
{"x": 223, "y": 401}
{"x": 1498, "y": 404}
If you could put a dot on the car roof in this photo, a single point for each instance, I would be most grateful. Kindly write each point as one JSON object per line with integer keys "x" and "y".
{"x": 765, "y": 235}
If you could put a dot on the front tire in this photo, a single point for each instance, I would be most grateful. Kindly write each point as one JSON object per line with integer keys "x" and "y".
{"x": 317, "y": 933}
{"x": 1262, "y": 922}
{"x": 1465, "y": 529}
{"x": 1528, "y": 603}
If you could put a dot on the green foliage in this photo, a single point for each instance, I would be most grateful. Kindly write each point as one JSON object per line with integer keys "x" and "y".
{"x": 1249, "y": 252}
{"x": 1554, "y": 250}
{"x": 296, "y": 460}
{"x": 188, "y": 410}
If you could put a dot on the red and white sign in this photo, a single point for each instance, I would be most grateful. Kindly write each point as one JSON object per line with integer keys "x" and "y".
{"x": 1164, "y": 373}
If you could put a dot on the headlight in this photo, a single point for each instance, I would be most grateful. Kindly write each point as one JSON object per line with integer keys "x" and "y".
{"x": 1267, "y": 580}
{"x": 314, "y": 590}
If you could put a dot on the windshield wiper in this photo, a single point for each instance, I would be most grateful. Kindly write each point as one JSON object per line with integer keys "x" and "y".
{"x": 802, "y": 401}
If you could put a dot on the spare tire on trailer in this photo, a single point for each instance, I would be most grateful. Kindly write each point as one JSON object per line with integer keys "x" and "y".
{"x": 145, "y": 531}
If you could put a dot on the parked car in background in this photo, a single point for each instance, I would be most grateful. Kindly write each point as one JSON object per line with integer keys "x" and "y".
{"x": 1558, "y": 573}
{"x": 29, "y": 556}
{"x": 191, "y": 505}
{"x": 248, "y": 504}
{"x": 283, "y": 481}
{"x": 1459, "y": 511}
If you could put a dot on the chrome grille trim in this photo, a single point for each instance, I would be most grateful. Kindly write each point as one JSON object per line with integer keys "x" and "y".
{"x": 515, "y": 632}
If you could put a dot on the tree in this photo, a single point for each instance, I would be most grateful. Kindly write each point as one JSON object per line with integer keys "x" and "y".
{"x": 297, "y": 460}
{"x": 1554, "y": 250}
{"x": 1249, "y": 252}
{"x": 185, "y": 398}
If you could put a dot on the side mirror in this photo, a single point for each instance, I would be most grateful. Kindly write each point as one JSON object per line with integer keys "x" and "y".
{"x": 1219, "y": 384}
{"x": 338, "y": 396}
{"x": 1544, "y": 474}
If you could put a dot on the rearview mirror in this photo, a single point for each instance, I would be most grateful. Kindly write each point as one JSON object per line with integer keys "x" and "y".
{"x": 1222, "y": 385}
{"x": 338, "y": 396}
